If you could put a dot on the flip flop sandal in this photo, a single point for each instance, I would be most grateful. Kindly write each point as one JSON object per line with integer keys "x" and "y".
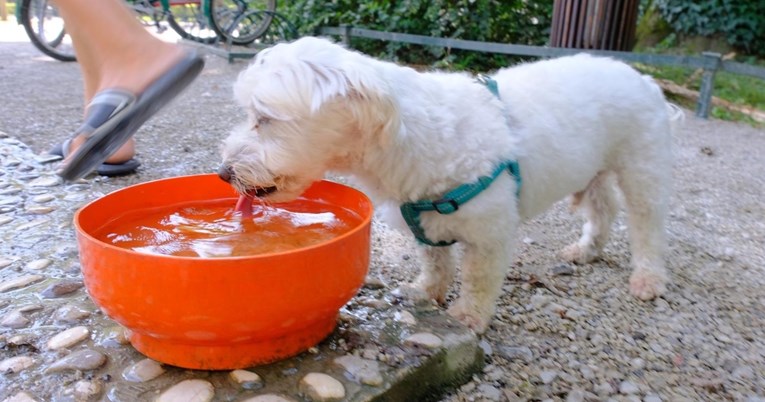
{"x": 104, "y": 169}
{"x": 114, "y": 115}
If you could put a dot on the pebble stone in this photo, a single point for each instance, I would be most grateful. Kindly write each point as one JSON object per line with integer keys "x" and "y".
{"x": 43, "y": 198}
{"x": 19, "y": 282}
{"x": 38, "y": 264}
{"x": 246, "y": 379}
{"x": 30, "y": 225}
{"x": 5, "y": 219}
{"x": 4, "y": 262}
{"x": 628, "y": 388}
{"x": 144, "y": 370}
{"x": 46, "y": 181}
{"x": 71, "y": 313}
{"x": 268, "y": 398}
{"x": 68, "y": 338}
{"x": 405, "y": 317}
{"x": 47, "y": 158}
{"x": 117, "y": 334}
{"x": 20, "y": 340}
{"x": 14, "y": 319}
{"x": 85, "y": 390}
{"x": 21, "y": 397}
{"x": 62, "y": 288}
{"x": 16, "y": 364}
{"x": 424, "y": 339}
{"x": 363, "y": 370}
{"x": 523, "y": 353}
{"x": 548, "y": 376}
{"x": 576, "y": 395}
{"x": 562, "y": 270}
{"x": 322, "y": 387}
{"x": 490, "y": 392}
{"x": 374, "y": 283}
{"x": 80, "y": 360}
{"x": 188, "y": 391}
{"x": 40, "y": 210}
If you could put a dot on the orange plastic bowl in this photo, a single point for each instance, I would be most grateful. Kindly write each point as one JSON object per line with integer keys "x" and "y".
{"x": 221, "y": 313}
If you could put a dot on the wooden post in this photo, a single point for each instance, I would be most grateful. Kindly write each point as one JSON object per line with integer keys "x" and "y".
{"x": 346, "y": 34}
{"x": 707, "y": 83}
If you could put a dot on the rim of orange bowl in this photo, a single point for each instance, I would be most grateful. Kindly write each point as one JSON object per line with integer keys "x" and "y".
{"x": 80, "y": 231}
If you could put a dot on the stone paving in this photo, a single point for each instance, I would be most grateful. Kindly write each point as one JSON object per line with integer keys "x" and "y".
{"x": 55, "y": 344}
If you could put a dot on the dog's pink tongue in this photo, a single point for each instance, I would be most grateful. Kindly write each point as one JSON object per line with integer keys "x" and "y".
{"x": 244, "y": 205}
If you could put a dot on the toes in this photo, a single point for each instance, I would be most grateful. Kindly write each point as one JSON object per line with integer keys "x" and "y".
{"x": 472, "y": 320}
{"x": 411, "y": 293}
{"x": 647, "y": 286}
{"x": 434, "y": 290}
{"x": 577, "y": 254}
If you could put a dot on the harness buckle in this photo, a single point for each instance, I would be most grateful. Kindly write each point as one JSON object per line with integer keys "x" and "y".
{"x": 445, "y": 206}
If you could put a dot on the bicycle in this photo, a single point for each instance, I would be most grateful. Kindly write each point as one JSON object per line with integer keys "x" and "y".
{"x": 240, "y": 22}
{"x": 45, "y": 28}
{"x": 204, "y": 21}
{"x": 186, "y": 17}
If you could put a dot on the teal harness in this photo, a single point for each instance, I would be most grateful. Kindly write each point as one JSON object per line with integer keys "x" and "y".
{"x": 452, "y": 200}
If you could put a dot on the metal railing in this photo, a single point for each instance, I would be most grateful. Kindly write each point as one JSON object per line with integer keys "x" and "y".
{"x": 709, "y": 62}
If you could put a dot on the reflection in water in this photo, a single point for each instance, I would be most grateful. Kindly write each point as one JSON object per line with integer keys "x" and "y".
{"x": 214, "y": 230}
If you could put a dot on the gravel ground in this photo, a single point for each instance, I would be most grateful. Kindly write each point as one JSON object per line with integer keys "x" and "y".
{"x": 562, "y": 332}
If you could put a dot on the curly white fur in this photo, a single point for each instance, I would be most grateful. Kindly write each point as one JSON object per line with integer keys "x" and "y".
{"x": 574, "y": 124}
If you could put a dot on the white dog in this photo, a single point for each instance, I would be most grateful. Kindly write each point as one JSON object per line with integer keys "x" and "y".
{"x": 571, "y": 124}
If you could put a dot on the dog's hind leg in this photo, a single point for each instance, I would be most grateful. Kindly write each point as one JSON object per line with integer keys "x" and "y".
{"x": 646, "y": 190}
{"x": 437, "y": 272}
{"x": 598, "y": 204}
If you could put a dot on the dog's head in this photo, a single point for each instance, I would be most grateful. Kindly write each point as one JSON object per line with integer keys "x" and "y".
{"x": 312, "y": 106}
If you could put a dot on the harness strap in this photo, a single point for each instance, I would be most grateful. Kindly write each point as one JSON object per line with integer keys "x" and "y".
{"x": 489, "y": 83}
{"x": 452, "y": 200}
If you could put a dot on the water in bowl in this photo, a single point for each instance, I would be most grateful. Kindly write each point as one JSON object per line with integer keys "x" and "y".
{"x": 214, "y": 229}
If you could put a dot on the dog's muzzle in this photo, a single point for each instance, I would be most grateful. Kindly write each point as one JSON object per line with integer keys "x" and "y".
{"x": 226, "y": 173}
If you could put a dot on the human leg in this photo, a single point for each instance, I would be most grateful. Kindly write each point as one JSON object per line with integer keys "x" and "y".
{"x": 116, "y": 52}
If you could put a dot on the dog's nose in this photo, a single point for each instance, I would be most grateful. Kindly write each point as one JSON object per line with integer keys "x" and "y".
{"x": 225, "y": 173}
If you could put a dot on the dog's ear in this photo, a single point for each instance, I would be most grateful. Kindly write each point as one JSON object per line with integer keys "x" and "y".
{"x": 364, "y": 93}
{"x": 329, "y": 82}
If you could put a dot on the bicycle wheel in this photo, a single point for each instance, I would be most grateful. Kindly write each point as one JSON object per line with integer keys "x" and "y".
{"x": 280, "y": 30}
{"x": 241, "y": 21}
{"x": 188, "y": 19}
{"x": 45, "y": 29}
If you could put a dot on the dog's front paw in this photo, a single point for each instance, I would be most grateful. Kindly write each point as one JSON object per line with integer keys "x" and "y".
{"x": 469, "y": 318}
{"x": 411, "y": 293}
{"x": 647, "y": 285}
{"x": 435, "y": 290}
{"x": 579, "y": 254}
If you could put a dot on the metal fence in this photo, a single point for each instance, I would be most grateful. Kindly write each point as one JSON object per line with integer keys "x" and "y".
{"x": 709, "y": 62}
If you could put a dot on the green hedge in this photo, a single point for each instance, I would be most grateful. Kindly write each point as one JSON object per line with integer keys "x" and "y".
{"x": 740, "y": 22}
{"x": 503, "y": 21}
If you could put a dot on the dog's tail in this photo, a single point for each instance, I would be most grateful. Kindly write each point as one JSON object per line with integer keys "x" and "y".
{"x": 675, "y": 114}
